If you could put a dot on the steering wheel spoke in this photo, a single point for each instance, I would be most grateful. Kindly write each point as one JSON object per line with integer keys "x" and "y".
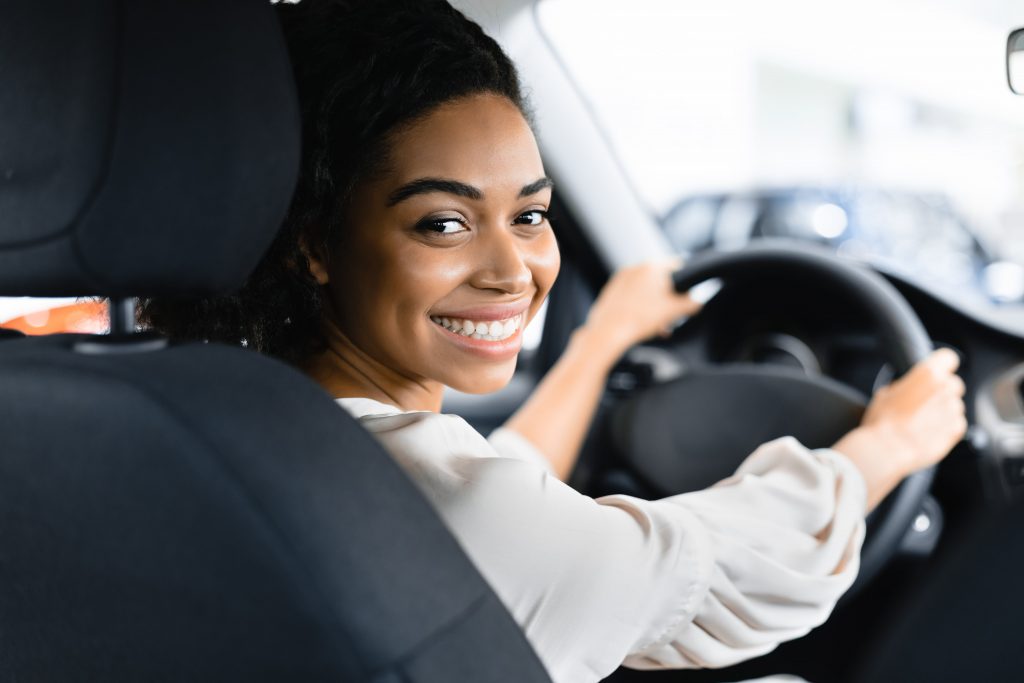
{"x": 689, "y": 433}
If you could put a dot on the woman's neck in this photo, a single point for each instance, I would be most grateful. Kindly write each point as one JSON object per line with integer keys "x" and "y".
{"x": 346, "y": 371}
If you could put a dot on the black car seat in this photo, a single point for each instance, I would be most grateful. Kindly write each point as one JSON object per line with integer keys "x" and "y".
{"x": 190, "y": 512}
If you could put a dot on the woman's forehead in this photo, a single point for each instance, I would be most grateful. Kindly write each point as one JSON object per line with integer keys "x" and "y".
{"x": 480, "y": 140}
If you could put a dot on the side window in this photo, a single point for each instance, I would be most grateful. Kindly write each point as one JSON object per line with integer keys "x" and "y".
{"x": 33, "y": 316}
{"x": 807, "y": 111}
{"x": 735, "y": 222}
{"x": 690, "y": 226}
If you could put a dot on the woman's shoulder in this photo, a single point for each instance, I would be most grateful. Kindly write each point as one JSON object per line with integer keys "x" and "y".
{"x": 439, "y": 436}
{"x": 444, "y": 454}
{"x": 359, "y": 407}
{"x": 417, "y": 430}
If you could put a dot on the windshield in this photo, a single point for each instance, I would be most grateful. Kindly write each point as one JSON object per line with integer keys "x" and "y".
{"x": 883, "y": 129}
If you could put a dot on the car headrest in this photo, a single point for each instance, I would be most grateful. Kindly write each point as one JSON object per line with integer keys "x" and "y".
{"x": 146, "y": 148}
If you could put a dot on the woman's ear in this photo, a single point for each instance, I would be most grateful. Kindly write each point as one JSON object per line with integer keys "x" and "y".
{"x": 317, "y": 264}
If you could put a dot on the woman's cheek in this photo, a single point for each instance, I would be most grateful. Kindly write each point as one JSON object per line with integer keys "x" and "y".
{"x": 544, "y": 262}
{"x": 428, "y": 274}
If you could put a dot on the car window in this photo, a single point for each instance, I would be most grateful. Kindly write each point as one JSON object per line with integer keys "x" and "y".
{"x": 881, "y": 128}
{"x": 691, "y": 225}
{"x": 38, "y": 316}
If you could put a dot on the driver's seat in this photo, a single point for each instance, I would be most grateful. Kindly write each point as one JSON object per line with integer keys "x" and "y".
{"x": 191, "y": 512}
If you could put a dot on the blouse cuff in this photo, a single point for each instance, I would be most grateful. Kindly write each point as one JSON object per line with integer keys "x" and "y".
{"x": 785, "y": 532}
{"x": 847, "y": 472}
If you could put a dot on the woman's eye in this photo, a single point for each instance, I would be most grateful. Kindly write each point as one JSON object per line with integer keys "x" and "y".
{"x": 534, "y": 217}
{"x": 443, "y": 226}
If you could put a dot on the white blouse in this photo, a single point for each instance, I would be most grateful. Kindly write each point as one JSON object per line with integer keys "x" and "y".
{"x": 703, "y": 579}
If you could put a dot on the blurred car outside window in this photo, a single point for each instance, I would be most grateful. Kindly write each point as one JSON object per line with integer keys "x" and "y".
{"x": 883, "y": 129}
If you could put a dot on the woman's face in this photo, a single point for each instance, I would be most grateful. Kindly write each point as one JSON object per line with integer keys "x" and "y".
{"x": 448, "y": 254}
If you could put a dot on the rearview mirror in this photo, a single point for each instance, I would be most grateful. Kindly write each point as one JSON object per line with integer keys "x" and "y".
{"x": 1015, "y": 61}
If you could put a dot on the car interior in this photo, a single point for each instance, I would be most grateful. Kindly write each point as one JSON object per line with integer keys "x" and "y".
{"x": 199, "y": 512}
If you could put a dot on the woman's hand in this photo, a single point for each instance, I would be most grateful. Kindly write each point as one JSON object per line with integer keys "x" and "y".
{"x": 909, "y": 425}
{"x": 637, "y": 303}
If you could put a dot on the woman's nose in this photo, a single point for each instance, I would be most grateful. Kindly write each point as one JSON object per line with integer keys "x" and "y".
{"x": 502, "y": 262}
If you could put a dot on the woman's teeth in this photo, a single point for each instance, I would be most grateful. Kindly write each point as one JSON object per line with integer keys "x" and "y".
{"x": 489, "y": 330}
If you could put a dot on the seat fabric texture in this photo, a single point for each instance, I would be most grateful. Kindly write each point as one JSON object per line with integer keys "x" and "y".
{"x": 204, "y": 513}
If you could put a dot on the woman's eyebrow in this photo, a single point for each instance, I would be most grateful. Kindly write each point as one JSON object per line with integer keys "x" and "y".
{"x": 428, "y": 185}
{"x": 536, "y": 186}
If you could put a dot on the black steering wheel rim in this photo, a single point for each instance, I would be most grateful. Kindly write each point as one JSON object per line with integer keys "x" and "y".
{"x": 902, "y": 336}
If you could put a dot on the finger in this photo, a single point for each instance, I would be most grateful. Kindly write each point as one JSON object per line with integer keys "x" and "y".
{"x": 957, "y": 428}
{"x": 669, "y": 265}
{"x": 675, "y": 262}
{"x": 933, "y": 368}
{"x": 956, "y": 386}
{"x": 960, "y": 426}
{"x": 943, "y": 361}
{"x": 686, "y": 305}
{"x": 946, "y": 392}
{"x": 956, "y": 406}
{"x": 947, "y": 408}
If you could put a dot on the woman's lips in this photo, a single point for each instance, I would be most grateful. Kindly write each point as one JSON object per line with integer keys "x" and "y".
{"x": 486, "y": 330}
{"x": 488, "y": 313}
{"x": 495, "y": 339}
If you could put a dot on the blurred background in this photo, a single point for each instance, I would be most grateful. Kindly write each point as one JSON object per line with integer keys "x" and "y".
{"x": 882, "y": 128}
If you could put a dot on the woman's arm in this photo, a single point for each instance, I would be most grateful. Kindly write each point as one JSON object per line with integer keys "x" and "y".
{"x": 638, "y": 303}
{"x": 909, "y": 425}
{"x": 556, "y": 416}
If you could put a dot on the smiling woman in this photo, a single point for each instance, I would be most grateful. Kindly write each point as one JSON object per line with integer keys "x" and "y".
{"x": 416, "y": 250}
{"x": 460, "y": 253}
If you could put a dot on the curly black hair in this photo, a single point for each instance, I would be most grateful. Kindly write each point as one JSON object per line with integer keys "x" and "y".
{"x": 364, "y": 69}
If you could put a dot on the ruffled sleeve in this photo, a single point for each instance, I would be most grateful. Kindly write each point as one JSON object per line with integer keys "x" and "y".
{"x": 700, "y": 579}
{"x": 785, "y": 532}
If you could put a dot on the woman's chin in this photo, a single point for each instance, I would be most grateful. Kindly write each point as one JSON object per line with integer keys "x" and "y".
{"x": 483, "y": 380}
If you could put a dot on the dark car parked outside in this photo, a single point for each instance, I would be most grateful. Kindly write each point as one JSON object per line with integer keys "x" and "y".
{"x": 919, "y": 234}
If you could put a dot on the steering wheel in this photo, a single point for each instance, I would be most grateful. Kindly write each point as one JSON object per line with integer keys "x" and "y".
{"x": 718, "y": 414}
